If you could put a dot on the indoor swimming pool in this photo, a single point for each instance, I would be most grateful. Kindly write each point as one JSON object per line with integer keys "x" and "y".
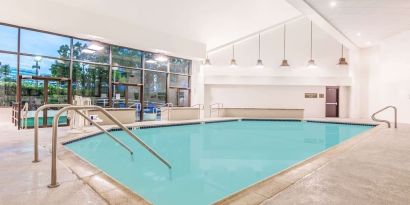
{"x": 210, "y": 161}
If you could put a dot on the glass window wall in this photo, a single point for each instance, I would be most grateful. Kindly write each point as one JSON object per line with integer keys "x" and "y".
{"x": 126, "y": 75}
{"x": 91, "y": 51}
{"x": 91, "y": 81}
{"x": 45, "y": 67}
{"x": 8, "y": 38}
{"x": 44, "y": 44}
{"x": 155, "y": 87}
{"x": 155, "y": 62}
{"x": 87, "y": 64}
{"x": 178, "y": 65}
{"x": 126, "y": 57}
{"x": 8, "y": 73}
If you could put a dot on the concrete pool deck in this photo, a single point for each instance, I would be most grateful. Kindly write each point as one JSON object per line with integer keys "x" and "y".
{"x": 373, "y": 170}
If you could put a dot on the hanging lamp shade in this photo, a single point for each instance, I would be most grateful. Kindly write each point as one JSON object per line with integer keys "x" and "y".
{"x": 284, "y": 61}
{"x": 342, "y": 60}
{"x": 259, "y": 63}
{"x": 233, "y": 61}
{"x": 207, "y": 62}
{"x": 311, "y": 62}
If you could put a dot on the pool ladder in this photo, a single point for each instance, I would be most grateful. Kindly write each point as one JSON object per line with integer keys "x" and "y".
{"x": 386, "y": 121}
{"x": 77, "y": 109}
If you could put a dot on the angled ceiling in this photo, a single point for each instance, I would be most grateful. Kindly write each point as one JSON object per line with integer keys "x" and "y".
{"x": 210, "y": 22}
{"x": 365, "y": 22}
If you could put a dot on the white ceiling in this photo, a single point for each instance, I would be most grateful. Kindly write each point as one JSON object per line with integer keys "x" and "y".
{"x": 375, "y": 20}
{"x": 210, "y": 22}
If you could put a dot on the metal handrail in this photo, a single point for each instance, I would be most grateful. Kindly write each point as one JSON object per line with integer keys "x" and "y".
{"x": 82, "y": 115}
{"x": 167, "y": 106}
{"x": 386, "y": 121}
{"x": 220, "y": 105}
{"x": 104, "y": 130}
{"x": 112, "y": 118}
{"x": 36, "y": 126}
{"x": 200, "y": 106}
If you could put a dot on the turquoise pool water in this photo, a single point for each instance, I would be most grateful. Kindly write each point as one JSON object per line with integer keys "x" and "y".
{"x": 209, "y": 161}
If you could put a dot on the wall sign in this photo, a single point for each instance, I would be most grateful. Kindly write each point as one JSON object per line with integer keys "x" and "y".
{"x": 310, "y": 95}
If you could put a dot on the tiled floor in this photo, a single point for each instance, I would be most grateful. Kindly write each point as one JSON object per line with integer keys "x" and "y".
{"x": 23, "y": 182}
{"x": 375, "y": 170}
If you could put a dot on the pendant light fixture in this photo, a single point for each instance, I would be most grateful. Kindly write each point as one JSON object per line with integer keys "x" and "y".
{"x": 207, "y": 62}
{"x": 342, "y": 60}
{"x": 311, "y": 62}
{"x": 284, "y": 61}
{"x": 233, "y": 61}
{"x": 259, "y": 63}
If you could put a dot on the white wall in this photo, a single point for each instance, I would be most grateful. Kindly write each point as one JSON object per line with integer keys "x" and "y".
{"x": 270, "y": 96}
{"x": 388, "y": 65}
{"x": 326, "y": 50}
{"x": 274, "y": 87}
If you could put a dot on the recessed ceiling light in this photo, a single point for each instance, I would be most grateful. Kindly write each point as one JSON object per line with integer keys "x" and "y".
{"x": 95, "y": 47}
{"x": 86, "y": 50}
{"x": 161, "y": 58}
{"x": 333, "y": 4}
{"x": 359, "y": 34}
{"x": 368, "y": 43}
{"x": 151, "y": 61}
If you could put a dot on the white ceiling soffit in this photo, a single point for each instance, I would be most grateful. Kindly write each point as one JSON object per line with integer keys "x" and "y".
{"x": 365, "y": 22}
{"x": 211, "y": 22}
{"x": 86, "y": 19}
{"x": 323, "y": 22}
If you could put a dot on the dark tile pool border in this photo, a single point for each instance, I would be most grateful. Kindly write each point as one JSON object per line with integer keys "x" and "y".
{"x": 284, "y": 120}
{"x": 346, "y": 123}
{"x": 210, "y": 122}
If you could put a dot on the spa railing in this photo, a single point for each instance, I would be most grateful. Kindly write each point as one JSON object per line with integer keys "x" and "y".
{"x": 386, "y": 121}
{"x": 112, "y": 118}
{"x": 211, "y": 108}
{"x": 200, "y": 107}
{"x": 167, "y": 107}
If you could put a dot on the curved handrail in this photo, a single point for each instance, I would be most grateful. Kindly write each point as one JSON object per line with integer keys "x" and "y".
{"x": 386, "y": 121}
{"x": 220, "y": 105}
{"x": 25, "y": 115}
{"x": 200, "y": 106}
{"x": 80, "y": 113}
{"x": 167, "y": 107}
{"x": 112, "y": 118}
{"x": 137, "y": 105}
{"x": 36, "y": 126}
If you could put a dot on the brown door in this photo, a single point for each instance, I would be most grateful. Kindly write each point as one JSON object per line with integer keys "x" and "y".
{"x": 332, "y": 101}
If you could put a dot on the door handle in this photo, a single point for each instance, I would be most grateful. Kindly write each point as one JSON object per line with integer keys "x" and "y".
{"x": 331, "y": 103}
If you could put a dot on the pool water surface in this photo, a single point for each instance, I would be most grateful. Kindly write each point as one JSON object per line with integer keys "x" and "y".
{"x": 209, "y": 161}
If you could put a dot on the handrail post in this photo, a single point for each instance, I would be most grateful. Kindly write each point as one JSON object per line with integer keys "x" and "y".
{"x": 36, "y": 126}
{"x": 54, "y": 182}
{"x": 386, "y": 121}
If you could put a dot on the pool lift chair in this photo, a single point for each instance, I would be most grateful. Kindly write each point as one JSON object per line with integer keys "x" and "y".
{"x": 138, "y": 109}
